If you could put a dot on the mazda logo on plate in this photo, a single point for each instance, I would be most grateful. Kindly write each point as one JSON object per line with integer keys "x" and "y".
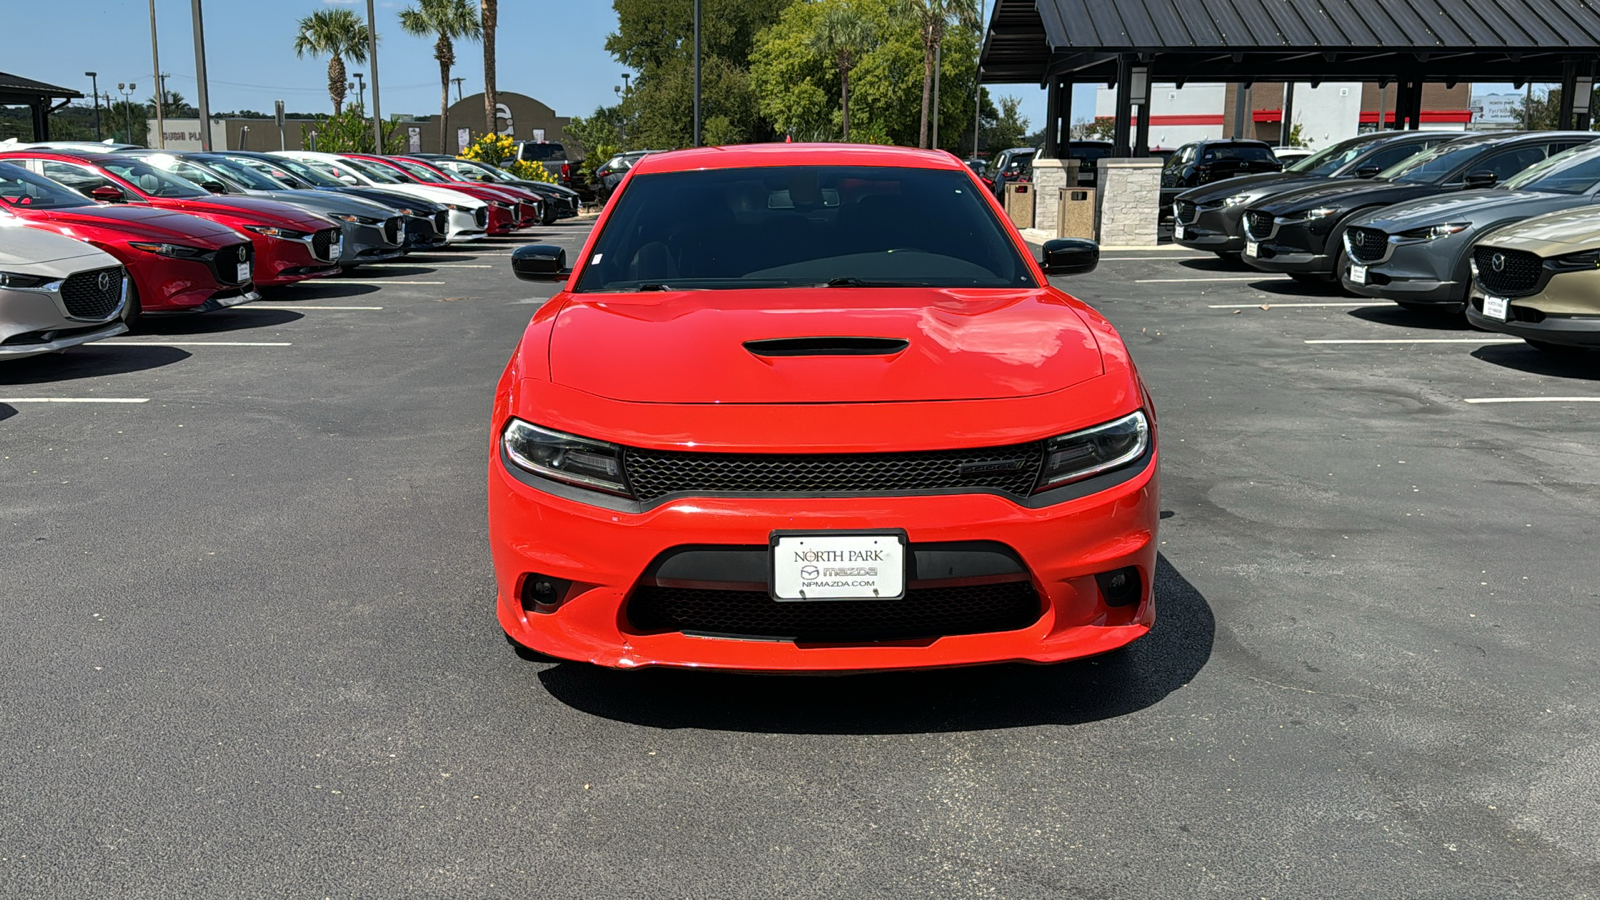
{"x": 809, "y": 572}
{"x": 1498, "y": 262}
{"x": 104, "y": 282}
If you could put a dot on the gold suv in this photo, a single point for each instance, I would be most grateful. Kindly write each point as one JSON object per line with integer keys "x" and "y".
{"x": 1540, "y": 280}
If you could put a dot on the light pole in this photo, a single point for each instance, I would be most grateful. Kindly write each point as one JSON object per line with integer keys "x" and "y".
{"x": 244, "y": 137}
{"x": 625, "y": 84}
{"x": 458, "y": 88}
{"x": 977, "y": 87}
{"x": 161, "y": 84}
{"x": 127, "y": 105}
{"x": 200, "y": 76}
{"x": 93, "y": 80}
{"x": 361, "y": 89}
{"x": 372, "y": 49}
{"x": 697, "y": 73}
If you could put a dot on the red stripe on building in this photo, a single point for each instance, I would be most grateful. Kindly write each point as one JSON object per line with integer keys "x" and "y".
{"x": 1173, "y": 120}
{"x": 1371, "y": 117}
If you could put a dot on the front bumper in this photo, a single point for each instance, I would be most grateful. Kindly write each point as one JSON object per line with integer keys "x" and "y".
{"x": 370, "y": 243}
{"x": 467, "y": 224}
{"x": 35, "y": 322}
{"x": 1414, "y": 272}
{"x": 1293, "y": 248}
{"x": 280, "y": 261}
{"x": 607, "y": 554}
{"x": 1526, "y": 321}
{"x": 1216, "y": 229}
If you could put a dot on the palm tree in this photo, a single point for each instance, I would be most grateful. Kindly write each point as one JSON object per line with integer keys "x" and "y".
{"x": 491, "y": 21}
{"x": 338, "y": 34}
{"x": 449, "y": 20}
{"x": 842, "y": 34}
{"x": 933, "y": 17}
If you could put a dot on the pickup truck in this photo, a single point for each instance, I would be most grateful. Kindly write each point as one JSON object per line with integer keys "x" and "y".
{"x": 553, "y": 157}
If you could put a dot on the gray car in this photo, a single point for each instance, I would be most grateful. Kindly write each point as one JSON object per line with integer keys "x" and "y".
{"x": 1419, "y": 254}
{"x": 372, "y": 232}
{"x": 56, "y": 292}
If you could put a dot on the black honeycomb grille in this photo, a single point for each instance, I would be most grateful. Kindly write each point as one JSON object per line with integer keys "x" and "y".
{"x": 95, "y": 294}
{"x": 1508, "y": 273}
{"x": 392, "y": 230}
{"x": 1186, "y": 211}
{"x": 322, "y": 244}
{"x": 441, "y": 221}
{"x": 656, "y": 473}
{"x": 922, "y": 613}
{"x": 481, "y": 216}
{"x": 1258, "y": 223}
{"x": 225, "y": 263}
{"x": 1367, "y": 245}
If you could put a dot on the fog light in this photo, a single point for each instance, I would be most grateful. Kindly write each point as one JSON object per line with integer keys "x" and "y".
{"x": 1121, "y": 587}
{"x": 541, "y": 593}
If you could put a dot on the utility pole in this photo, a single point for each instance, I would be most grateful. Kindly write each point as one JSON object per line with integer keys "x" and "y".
{"x": 458, "y": 88}
{"x": 200, "y": 76}
{"x": 372, "y": 50}
{"x": 127, "y": 105}
{"x": 938, "y": 61}
{"x": 977, "y": 104}
{"x": 95, "y": 89}
{"x": 161, "y": 84}
{"x": 697, "y": 73}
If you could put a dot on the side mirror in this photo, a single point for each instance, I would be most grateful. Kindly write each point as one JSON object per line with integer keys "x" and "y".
{"x": 215, "y": 187}
{"x": 1480, "y": 180}
{"x": 1070, "y": 256}
{"x": 106, "y": 193}
{"x": 1368, "y": 172}
{"x": 540, "y": 262}
{"x": 350, "y": 180}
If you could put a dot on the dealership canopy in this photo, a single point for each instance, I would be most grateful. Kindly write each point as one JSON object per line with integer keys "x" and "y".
{"x": 1056, "y": 43}
{"x": 18, "y": 91}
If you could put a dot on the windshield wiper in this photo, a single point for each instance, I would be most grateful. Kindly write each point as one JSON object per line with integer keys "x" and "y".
{"x": 653, "y": 286}
{"x": 869, "y": 283}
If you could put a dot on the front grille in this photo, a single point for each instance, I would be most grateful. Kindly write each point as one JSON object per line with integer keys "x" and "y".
{"x": 441, "y": 221}
{"x": 225, "y": 263}
{"x": 1258, "y": 224}
{"x": 481, "y": 216}
{"x": 1367, "y": 245}
{"x": 1187, "y": 211}
{"x": 95, "y": 294}
{"x": 922, "y": 613}
{"x": 1508, "y": 273}
{"x": 392, "y": 229}
{"x": 322, "y": 244}
{"x": 656, "y": 473}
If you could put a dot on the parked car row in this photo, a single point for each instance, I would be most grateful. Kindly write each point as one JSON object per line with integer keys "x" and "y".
{"x": 93, "y": 236}
{"x": 1487, "y": 224}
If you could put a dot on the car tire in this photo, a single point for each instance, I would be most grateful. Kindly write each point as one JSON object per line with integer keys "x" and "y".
{"x": 1556, "y": 349}
{"x": 134, "y": 311}
{"x": 527, "y": 654}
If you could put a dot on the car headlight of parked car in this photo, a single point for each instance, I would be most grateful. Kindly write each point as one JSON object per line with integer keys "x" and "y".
{"x": 458, "y": 208}
{"x": 359, "y": 220}
{"x": 1435, "y": 232}
{"x": 1237, "y": 200}
{"x": 565, "y": 457}
{"x": 1574, "y": 262}
{"x": 1084, "y": 454}
{"x": 273, "y": 231}
{"x": 176, "y": 251}
{"x": 1311, "y": 215}
{"x": 29, "y": 282}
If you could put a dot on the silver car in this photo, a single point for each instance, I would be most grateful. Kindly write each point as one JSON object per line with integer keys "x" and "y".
{"x": 372, "y": 232}
{"x": 56, "y": 293}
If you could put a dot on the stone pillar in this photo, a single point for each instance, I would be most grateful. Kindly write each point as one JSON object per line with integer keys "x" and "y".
{"x": 1129, "y": 200}
{"x": 1049, "y": 177}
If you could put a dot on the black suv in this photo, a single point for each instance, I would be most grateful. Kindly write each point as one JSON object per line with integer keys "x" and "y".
{"x": 1203, "y": 162}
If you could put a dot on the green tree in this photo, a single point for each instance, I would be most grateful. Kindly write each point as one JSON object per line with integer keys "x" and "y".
{"x": 1010, "y": 127}
{"x": 933, "y": 19}
{"x": 603, "y": 128}
{"x": 350, "y": 131}
{"x": 843, "y": 34}
{"x": 338, "y": 35}
{"x": 448, "y": 21}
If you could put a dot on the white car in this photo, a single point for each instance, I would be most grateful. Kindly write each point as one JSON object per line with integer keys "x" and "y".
{"x": 469, "y": 216}
{"x": 56, "y": 292}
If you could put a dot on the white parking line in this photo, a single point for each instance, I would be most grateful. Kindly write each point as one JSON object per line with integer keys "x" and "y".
{"x": 425, "y": 264}
{"x": 193, "y": 344}
{"x": 1148, "y": 258}
{"x": 1533, "y": 400}
{"x": 1424, "y": 341}
{"x": 298, "y": 306}
{"x": 1200, "y": 280}
{"x": 74, "y": 399}
{"x": 1269, "y": 303}
{"x": 380, "y": 281}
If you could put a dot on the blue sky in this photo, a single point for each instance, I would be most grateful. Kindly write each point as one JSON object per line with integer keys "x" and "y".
{"x": 550, "y": 49}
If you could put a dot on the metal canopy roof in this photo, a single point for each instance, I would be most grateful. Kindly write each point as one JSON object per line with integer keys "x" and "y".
{"x": 1305, "y": 40}
{"x": 17, "y": 90}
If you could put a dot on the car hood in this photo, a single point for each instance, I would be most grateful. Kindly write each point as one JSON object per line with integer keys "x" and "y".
{"x": 446, "y": 196}
{"x": 269, "y": 212}
{"x": 1346, "y": 194}
{"x": 390, "y": 200}
{"x": 144, "y": 223}
{"x": 1477, "y": 207}
{"x": 1553, "y": 234}
{"x": 690, "y": 346}
{"x": 30, "y": 251}
{"x": 328, "y": 204}
{"x": 1266, "y": 181}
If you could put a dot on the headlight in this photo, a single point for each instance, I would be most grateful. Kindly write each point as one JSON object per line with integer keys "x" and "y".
{"x": 457, "y": 208}
{"x": 1237, "y": 200}
{"x": 565, "y": 457}
{"x": 271, "y": 231}
{"x": 411, "y": 212}
{"x": 29, "y": 282}
{"x": 359, "y": 220}
{"x": 1435, "y": 232}
{"x": 1083, "y": 454}
{"x": 500, "y": 205}
{"x": 1572, "y": 262}
{"x": 176, "y": 251}
{"x": 1321, "y": 212}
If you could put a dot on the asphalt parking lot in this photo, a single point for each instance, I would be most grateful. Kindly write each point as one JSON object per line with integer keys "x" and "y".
{"x": 252, "y": 648}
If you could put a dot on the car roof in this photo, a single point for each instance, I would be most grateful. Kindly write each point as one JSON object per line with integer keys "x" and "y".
{"x": 763, "y": 155}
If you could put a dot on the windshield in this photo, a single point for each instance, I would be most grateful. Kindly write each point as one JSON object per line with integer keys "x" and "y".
{"x": 25, "y": 190}
{"x": 1248, "y": 152}
{"x": 1330, "y": 159}
{"x": 378, "y": 173}
{"x": 539, "y": 152}
{"x": 282, "y": 164}
{"x": 151, "y": 180}
{"x": 253, "y": 179}
{"x": 417, "y": 170}
{"x": 1572, "y": 172}
{"x": 847, "y": 226}
{"x": 1432, "y": 166}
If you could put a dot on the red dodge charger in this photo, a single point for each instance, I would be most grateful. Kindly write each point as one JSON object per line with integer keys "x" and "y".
{"x": 817, "y": 408}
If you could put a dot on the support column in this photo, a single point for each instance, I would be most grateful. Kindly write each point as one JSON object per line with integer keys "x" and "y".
{"x": 1402, "y": 98}
{"x": 1121, "y": 139}
{"x": 1241, "y": 104}
{"x": 1416, "y": 104}
{"x": 1569, "y": 86}
{"x": 1064, "y": 108}
{"x": 1052, "y": 119}
{"x": 1288, "y": 114}
{"x": 1583, "y": 98}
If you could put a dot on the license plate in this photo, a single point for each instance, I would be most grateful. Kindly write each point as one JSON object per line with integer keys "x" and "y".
{"x": 1358, "y": 274}
{"x": 1251, "y": 248}
{"x": 1494, "y": 308}
{"x": 1179, "y": 232}
{"x": 244, "y": 272}
{"x": 336, "y": 248}
{"x": 838, "y": 566}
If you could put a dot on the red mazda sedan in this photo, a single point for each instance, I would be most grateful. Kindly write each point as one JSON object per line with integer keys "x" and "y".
{"x": 290, "y": 244}
{"x": 816, "y": 408}
{"x": 178, "y": 263}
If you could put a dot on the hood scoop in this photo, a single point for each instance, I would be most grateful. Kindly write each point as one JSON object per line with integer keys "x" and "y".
{"x": 827, "y": 346}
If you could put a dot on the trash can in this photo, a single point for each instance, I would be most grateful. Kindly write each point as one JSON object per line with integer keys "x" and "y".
{"x": 1075, "y": 213}
{"x": 1019, "y": 204}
